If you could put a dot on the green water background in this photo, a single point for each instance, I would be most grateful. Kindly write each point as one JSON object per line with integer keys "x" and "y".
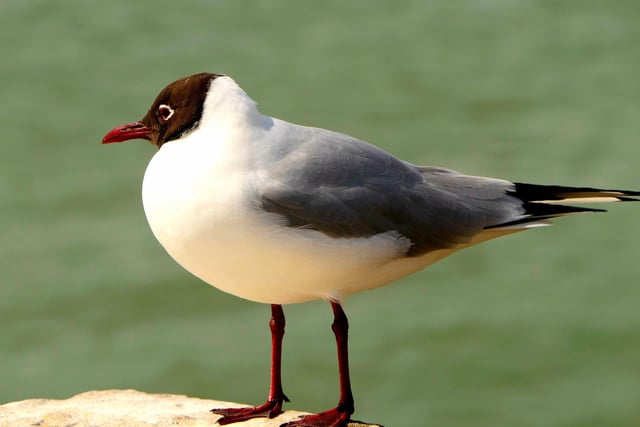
{"x": 538, "y": 329}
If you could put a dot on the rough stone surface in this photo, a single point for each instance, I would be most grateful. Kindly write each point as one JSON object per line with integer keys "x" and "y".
{"x": 130, "y": 408}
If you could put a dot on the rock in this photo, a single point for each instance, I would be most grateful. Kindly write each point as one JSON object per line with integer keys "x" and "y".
{"x": 126, "y": 408}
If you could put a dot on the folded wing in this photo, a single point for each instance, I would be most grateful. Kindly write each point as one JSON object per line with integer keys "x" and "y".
{"x": 345, "y": 188}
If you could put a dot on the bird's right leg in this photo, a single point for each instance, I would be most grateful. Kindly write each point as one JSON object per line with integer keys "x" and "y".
{"x": 273, "y": 406}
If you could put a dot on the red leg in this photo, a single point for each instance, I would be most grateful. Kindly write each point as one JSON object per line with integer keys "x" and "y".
{"x": 273, "y": 406}
{"x": 341, "y": 414}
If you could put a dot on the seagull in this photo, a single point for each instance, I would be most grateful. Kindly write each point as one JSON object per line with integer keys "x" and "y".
{"x": 278, "y": 213}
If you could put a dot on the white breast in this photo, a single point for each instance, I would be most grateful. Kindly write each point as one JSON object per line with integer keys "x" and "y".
{"x": 199, "y": 201}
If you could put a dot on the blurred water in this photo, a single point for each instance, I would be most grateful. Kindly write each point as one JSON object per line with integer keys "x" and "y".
{"x": 533, "y": 330}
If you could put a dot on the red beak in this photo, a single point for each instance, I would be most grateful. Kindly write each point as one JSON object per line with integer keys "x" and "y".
{"x": 126, "y": 132}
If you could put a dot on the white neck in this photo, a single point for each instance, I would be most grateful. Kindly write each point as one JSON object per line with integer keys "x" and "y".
{"x": 226, "y": 103}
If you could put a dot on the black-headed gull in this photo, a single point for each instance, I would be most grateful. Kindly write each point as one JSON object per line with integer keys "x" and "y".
{"x": 279, "y": 213}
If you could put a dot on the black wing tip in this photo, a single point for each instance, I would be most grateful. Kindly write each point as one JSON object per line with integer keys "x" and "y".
{"x": 535, "y": 212}
{"x": 539, "y": 201}
{"x": 539, "y": 192}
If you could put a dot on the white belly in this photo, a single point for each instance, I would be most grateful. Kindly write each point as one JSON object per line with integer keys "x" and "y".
{"x": 202, "y": 214}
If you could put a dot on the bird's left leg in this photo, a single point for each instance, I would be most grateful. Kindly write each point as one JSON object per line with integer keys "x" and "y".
{"x": 273, "y": 406}
{"x": 340, "y": 415}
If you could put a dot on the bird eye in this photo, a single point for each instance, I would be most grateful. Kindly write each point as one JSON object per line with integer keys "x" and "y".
{"x": 166, "y": 112}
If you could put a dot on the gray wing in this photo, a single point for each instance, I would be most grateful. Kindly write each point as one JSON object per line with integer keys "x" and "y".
{"x": 344, "y": 187}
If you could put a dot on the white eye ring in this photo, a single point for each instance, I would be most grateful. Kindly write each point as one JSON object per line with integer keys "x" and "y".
{"x": 166, "y": 112}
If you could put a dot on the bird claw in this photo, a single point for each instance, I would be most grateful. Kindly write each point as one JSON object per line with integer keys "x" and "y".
{"x": 270, "y": 409}
{"x": 332, "y": 418}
